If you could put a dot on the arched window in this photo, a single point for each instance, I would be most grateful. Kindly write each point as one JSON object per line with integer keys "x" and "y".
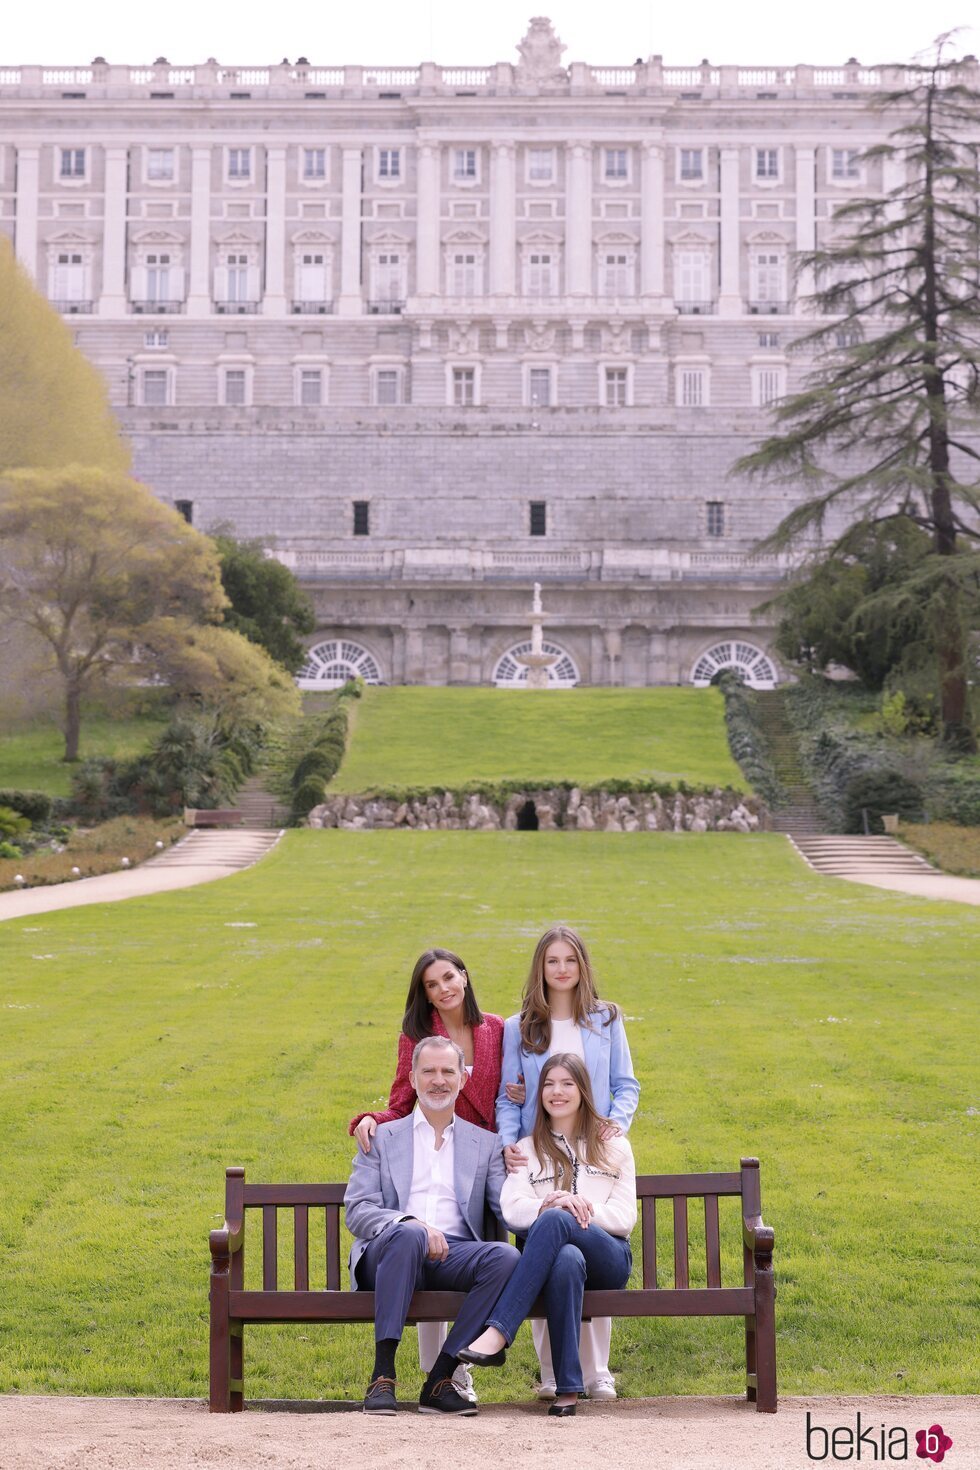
{"x": 754, "y": 666}
{"x": 509, "y": 673}
{"x": 330, "y": 664}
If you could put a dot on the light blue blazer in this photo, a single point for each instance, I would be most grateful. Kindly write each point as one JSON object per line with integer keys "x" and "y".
{"x": 610, "y": 1067}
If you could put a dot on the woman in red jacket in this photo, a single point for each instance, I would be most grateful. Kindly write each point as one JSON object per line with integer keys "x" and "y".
{"x": 441, "y": 1002}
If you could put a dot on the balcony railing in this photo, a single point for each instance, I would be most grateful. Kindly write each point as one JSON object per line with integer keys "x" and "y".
{"x": 385, "y": 308}
{"x": 696, "y": 308}
{"x": 312, "y": 308}
{"x": 768, "y": 308}
{"x": 156, "y": 308}
{"x": 74, "y": 308}
{"x": 236, "y": 308}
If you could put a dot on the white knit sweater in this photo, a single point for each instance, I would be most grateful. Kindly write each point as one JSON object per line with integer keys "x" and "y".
{"x": 611, "y": 1191}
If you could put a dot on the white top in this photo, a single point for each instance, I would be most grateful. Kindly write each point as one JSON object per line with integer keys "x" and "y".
{"x": 433, "y": 1195}
{"x": 566, "y": 1036}
{"x": 612, "y": 1190}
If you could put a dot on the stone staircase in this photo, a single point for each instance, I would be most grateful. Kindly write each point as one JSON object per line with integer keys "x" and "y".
{"x": 798, "y": 814}
{"x": 848, "y": 857}
{"x": 261, "y": 810}
{"x": 228, "y": 847}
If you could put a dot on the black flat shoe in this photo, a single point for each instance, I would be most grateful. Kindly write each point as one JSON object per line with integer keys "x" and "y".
{"x": 562, "y": 1411}
{"x": 483, "y": 1360}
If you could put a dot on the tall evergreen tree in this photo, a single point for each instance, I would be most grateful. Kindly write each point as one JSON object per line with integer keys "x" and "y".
{"x": 54, "y": 410}
{"x": 267, "y": 604}
{"x": 881, "y": 426}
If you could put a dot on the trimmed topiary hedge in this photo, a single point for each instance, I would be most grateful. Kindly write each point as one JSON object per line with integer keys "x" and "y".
{"x": 321, "y": 761}
{"x": 746, "y": 739}
{"x": 34, "y": 805}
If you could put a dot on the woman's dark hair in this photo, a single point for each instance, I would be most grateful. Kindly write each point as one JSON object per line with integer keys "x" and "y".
{"x": 417, "y": 1021}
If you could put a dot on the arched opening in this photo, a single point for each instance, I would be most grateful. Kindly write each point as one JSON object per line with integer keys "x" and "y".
{"x": 510, "y": 674}
{"x": 527, "y": 817}
{"x": 751, "y": 663}
{"x": 332, "y": 663}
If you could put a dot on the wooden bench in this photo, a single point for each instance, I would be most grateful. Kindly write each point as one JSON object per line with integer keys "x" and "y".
{"x": 229, "y": 816}
{"x": 232, "y": 1306}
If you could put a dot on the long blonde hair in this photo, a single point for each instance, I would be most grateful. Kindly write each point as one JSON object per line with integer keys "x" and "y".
{"x": 535, "y": 1011}
{"x": 589, "y": 1145}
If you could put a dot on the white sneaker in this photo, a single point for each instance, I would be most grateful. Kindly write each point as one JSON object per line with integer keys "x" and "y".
{"x": 603, "y": 1387}
{"x": 463, "y": 1383}
{"x": 546, "y": 1389}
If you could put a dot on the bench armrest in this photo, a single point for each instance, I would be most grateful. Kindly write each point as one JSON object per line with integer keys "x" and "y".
{"x": 758, "y": 1237}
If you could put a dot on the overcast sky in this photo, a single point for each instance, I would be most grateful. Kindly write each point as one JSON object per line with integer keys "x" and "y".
{"x": 404, "y": 32}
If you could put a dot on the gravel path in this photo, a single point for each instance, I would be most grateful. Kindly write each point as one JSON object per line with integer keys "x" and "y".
{"x": 680, "y": 1433}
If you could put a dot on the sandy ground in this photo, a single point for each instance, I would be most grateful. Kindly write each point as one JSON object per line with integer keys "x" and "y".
{"x": 682, "y": 1434}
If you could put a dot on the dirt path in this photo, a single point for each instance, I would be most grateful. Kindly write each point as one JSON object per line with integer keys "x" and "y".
{"x": 682, "y": 1434}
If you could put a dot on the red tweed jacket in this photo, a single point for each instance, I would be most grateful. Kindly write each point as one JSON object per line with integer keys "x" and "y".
{"x": 476, "y": 1101}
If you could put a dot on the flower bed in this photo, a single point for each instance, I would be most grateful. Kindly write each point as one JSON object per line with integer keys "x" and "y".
{"x": 93, "y": 851}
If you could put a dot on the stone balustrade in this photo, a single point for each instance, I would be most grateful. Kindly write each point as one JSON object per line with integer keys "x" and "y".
{"x": 212, "y": 81}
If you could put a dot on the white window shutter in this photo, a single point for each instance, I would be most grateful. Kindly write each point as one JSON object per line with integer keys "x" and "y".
{"x": 252, "y": 292}
{"x": 176, "y": 283}
{"x": 137, "y": 283}
{"x": 220, "y": 283}
{"x": 56, "y": 282}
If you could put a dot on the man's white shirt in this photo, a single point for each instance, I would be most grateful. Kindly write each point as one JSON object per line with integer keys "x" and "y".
{"x": 433, "y": 1196}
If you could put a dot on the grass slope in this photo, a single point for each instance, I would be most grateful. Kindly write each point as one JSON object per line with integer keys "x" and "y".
{"x": 828, "y": 1028}
{"x": 445, "y": 737}
{"x": 31, "y": 759}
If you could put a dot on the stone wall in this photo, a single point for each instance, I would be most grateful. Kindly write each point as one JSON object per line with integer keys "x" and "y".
{"x": 554, "y": 807}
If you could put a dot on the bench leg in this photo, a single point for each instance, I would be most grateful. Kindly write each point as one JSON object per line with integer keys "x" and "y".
{"x": 222, "y": 1351}
{"x": 765, "y": 1344}
{"x": 237, "y": 1362}
{"x": 750, "y": 1373}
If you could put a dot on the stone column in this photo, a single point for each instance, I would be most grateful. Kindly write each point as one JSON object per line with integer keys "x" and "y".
{"x": 652, "y": 222}
{"x": 657, "y": 659}
{"x": 578, "y": 219}
{"x": 614, "y": 654}
{"x": 415, "y": 655}
{"x": 427, "y": 227}
{"x": 25, "y": 224}
{"x": 730, "y": 298}
{"x": 274, "y": 299}
{"x": 350, "y": 303}
{"x": 459, "y": 654}
{"x": 112, "y": 302}
{"x": 397, "y": 654}
{"x": 806, "y": 221}
{"x": 503, "y": 219}
{"x": 199, "y": 284}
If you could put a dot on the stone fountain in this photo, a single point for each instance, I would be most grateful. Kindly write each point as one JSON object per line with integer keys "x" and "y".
{"x": 537, "y": 662}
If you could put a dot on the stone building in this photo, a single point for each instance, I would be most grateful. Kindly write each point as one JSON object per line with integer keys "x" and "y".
{"x": 435, "y": 333}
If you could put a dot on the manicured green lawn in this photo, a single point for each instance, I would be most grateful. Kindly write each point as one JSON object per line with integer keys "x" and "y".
{"x": 444, "y": 737}
{"x": 829, "y": 1028}
{"x": 31, "y": 758}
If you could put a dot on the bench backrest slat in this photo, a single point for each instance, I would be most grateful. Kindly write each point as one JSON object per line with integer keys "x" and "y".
{"x": 648, "y": 1213}
{"x": 301, "y": 1247}
{"x": 682, "y": 1268}
{"x": 333, "y": 1247}
{"x": 712, "y": 1245}
{"x": 270, "y": 1249}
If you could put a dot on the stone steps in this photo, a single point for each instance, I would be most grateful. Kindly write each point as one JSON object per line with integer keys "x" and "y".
{"x": 259, "y": 807}
{"x": 227, "y": 848}
{"x": 845, "y": 856}
{"x": 799, "y": 813}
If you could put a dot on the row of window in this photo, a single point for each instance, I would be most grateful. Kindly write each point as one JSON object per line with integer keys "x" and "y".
{"x": 157, "y": 276}
{"x": 156, "y": 386}
{"x": 713, "y": 522}
{"x": 160, "y": 165}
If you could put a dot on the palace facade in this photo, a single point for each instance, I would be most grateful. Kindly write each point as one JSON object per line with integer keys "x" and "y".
{"x": 432, "y": 334}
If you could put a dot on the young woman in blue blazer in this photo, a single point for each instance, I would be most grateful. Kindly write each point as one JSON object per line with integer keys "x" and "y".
{"x": 561, "y": 1012}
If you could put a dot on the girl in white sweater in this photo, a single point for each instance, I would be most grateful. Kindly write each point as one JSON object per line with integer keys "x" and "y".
{"x": 577, "y": 1202}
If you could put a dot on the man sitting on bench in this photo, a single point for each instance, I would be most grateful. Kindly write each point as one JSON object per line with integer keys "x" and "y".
{"x": 415, "y": 1205}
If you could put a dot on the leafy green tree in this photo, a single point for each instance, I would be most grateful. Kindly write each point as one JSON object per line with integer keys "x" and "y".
{"x": 53, "y": 405}
{"x": 90, "y": 562}
{"x": 267, "y": 604}
{"x": 879, "y": 428}
{"x": 842, "y": 611}
{"x": 222, "y": 671}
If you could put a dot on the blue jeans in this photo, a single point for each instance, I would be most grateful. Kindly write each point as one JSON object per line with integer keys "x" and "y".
{"x": 559, "y": 1260}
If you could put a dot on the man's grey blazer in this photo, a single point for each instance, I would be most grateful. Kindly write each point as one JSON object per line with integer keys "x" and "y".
{"x": 381, "y": 1182}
